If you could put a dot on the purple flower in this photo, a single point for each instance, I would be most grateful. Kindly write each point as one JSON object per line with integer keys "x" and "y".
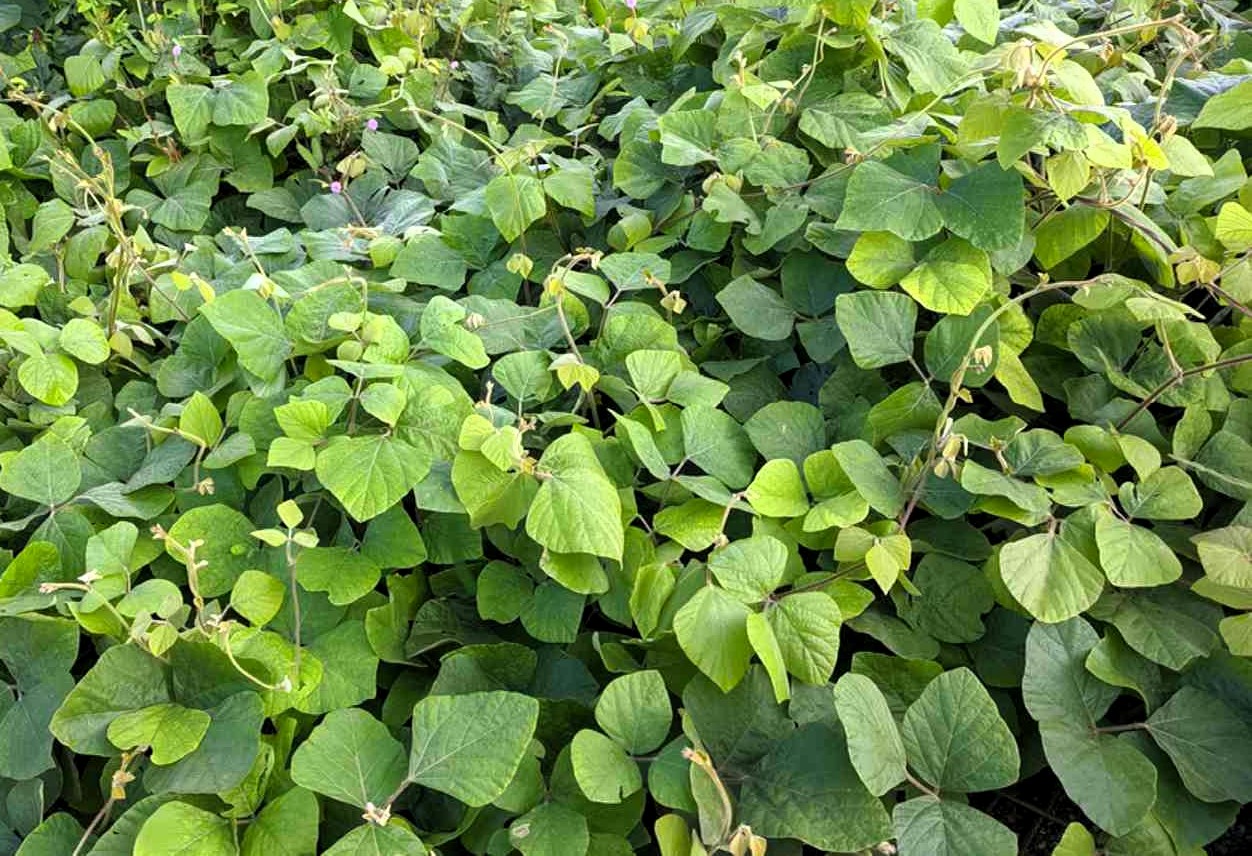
{"x": 454, "y": 65}
{"x": 177, "y": 51}
{"x": 631, "y": 4}
{"x": 336, "y": 187}
{"x": 371, "y": 125}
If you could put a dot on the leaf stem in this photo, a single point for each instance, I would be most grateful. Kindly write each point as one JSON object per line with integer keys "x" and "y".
{"x": 1175, "y": 21}
{"x": 1178, "y": 378}
{"x": 919, "y": 784}
{"x": 295, "y": 604}
{"x": 954, "y": 393}
{"x": 1118, "y": 729}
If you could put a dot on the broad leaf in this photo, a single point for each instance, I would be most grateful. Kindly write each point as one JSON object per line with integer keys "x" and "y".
{"x": 874, "y": 743}
{"x": 955, "y": 737}
{"x": 469, "y": 746}
{"x": 350, "y": 757}
{"x": 370, "y": 474}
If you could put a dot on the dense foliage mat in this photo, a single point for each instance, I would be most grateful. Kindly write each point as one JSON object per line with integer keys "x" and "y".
{"x": 672, "y": 427}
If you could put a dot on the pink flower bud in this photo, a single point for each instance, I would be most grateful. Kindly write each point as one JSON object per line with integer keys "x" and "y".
{"x": 336, "y": 187}
{"x": 177, "y": 51}
{"x": 371, "y": 125}
{"x": 454, "y": 65}
{"x": 632, "y": 4}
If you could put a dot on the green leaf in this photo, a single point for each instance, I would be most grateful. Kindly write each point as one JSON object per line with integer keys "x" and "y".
{"x": 227, "y": 547}
{"x": 394, "y": 839}
{"x": 717, "y": 444}
{"x": 1040, "y": 452}
{"x": 1114, "y": 662}
{"x": 981, "y": 19}
{"x": 579, "y": 572}
{"x": 1062, "y": 235}
{"x": 46, "y": 471}
{"x": 953, "y": 278}
{"x": 986, "y": 206}
{"x": 1056, "y": 685}
{"x": 20, "y": 285}
{"x": 750, "y": 569}
{"x": 59, "y": 834}
{"x": 806, "y": 788}
{"x": 1167, "y": 625}
{"x": 1230, "y": 110}
{"x": 119, "y": 838}
{"x": 738, "y": 727}
{"x": 777, "y": 490}
{"x": 954, "y": 596}
{"x": 287, "y": 826}
{"x": 573, "y": 185}
{"x": 350, "y": 757}
{"x": 1133, "y": 556}
{"x": 125, "y": 678}
{"x": 1208, "y": 743}
{"x": 369, "y": 475}
{"x": 880, "y": 259}
{"x": 878, "y": 326}
{"x": 955, "y": 737}
{"x": 1110, "y": 780}
{"x": 1226, "y": 554}
{"x": 806, "y": 626}
{"x": 1049, "y": 576}
{"x": 371, "y": 840}
{"x": 756, "y": 309}
{"x": 687, "y": 137}
{"x": 874, "y": 743}
{"x": 83, "y": 339}
{"x": 53, "y": 221}
{"x": 550, "y": 829}
{"x": 192, "y": 109}
{"x": 244, "y": 101}
{"x": 200, "y": 422}
{"x": 1076, "y": 841}
{"x": 603, "y": 771}
{"x": 227, "y": 752}
{"x": 870, "y": 475}
{"x": 635, "y": 711}
{"x": 172, "y": 731}
{"x": 842, "y": 121}
{"x": 928, "y": 826}
{"x": 51, "y": 378}
{"x": 765, "y": 645}
{"x": 514, "y": 202}
{"x": 345, "y": 575}
{"x": 880, "y": 199}
{"x": 635, "y": 271}
{"x": 179, "y": 829}
{"x": 711, "y": 632}
{"x": 428, "y": 260}
{"x": 1234, "y": 227}
{"x": 443, "y": 331}
{"x": 84, "y": 74}
{"x": 470, "y": 746}
{"x": 778, "y": 165}
{"x": 577, "y": 509}
{"x": 25, "y": 742}
{"x": 257, "y": 596}
{"x": 36, "y": 647}
{"x": 933, "y": 62}
{"x": 253, "y": 329}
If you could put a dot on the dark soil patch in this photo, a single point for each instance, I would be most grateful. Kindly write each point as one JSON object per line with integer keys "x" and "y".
{"x": 1038, "y": 811}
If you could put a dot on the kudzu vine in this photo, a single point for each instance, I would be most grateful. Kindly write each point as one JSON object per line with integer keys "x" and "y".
{"x": 588, "y": 428}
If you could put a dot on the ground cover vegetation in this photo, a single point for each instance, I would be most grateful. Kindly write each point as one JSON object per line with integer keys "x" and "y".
{"x": 594, "y": 427}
